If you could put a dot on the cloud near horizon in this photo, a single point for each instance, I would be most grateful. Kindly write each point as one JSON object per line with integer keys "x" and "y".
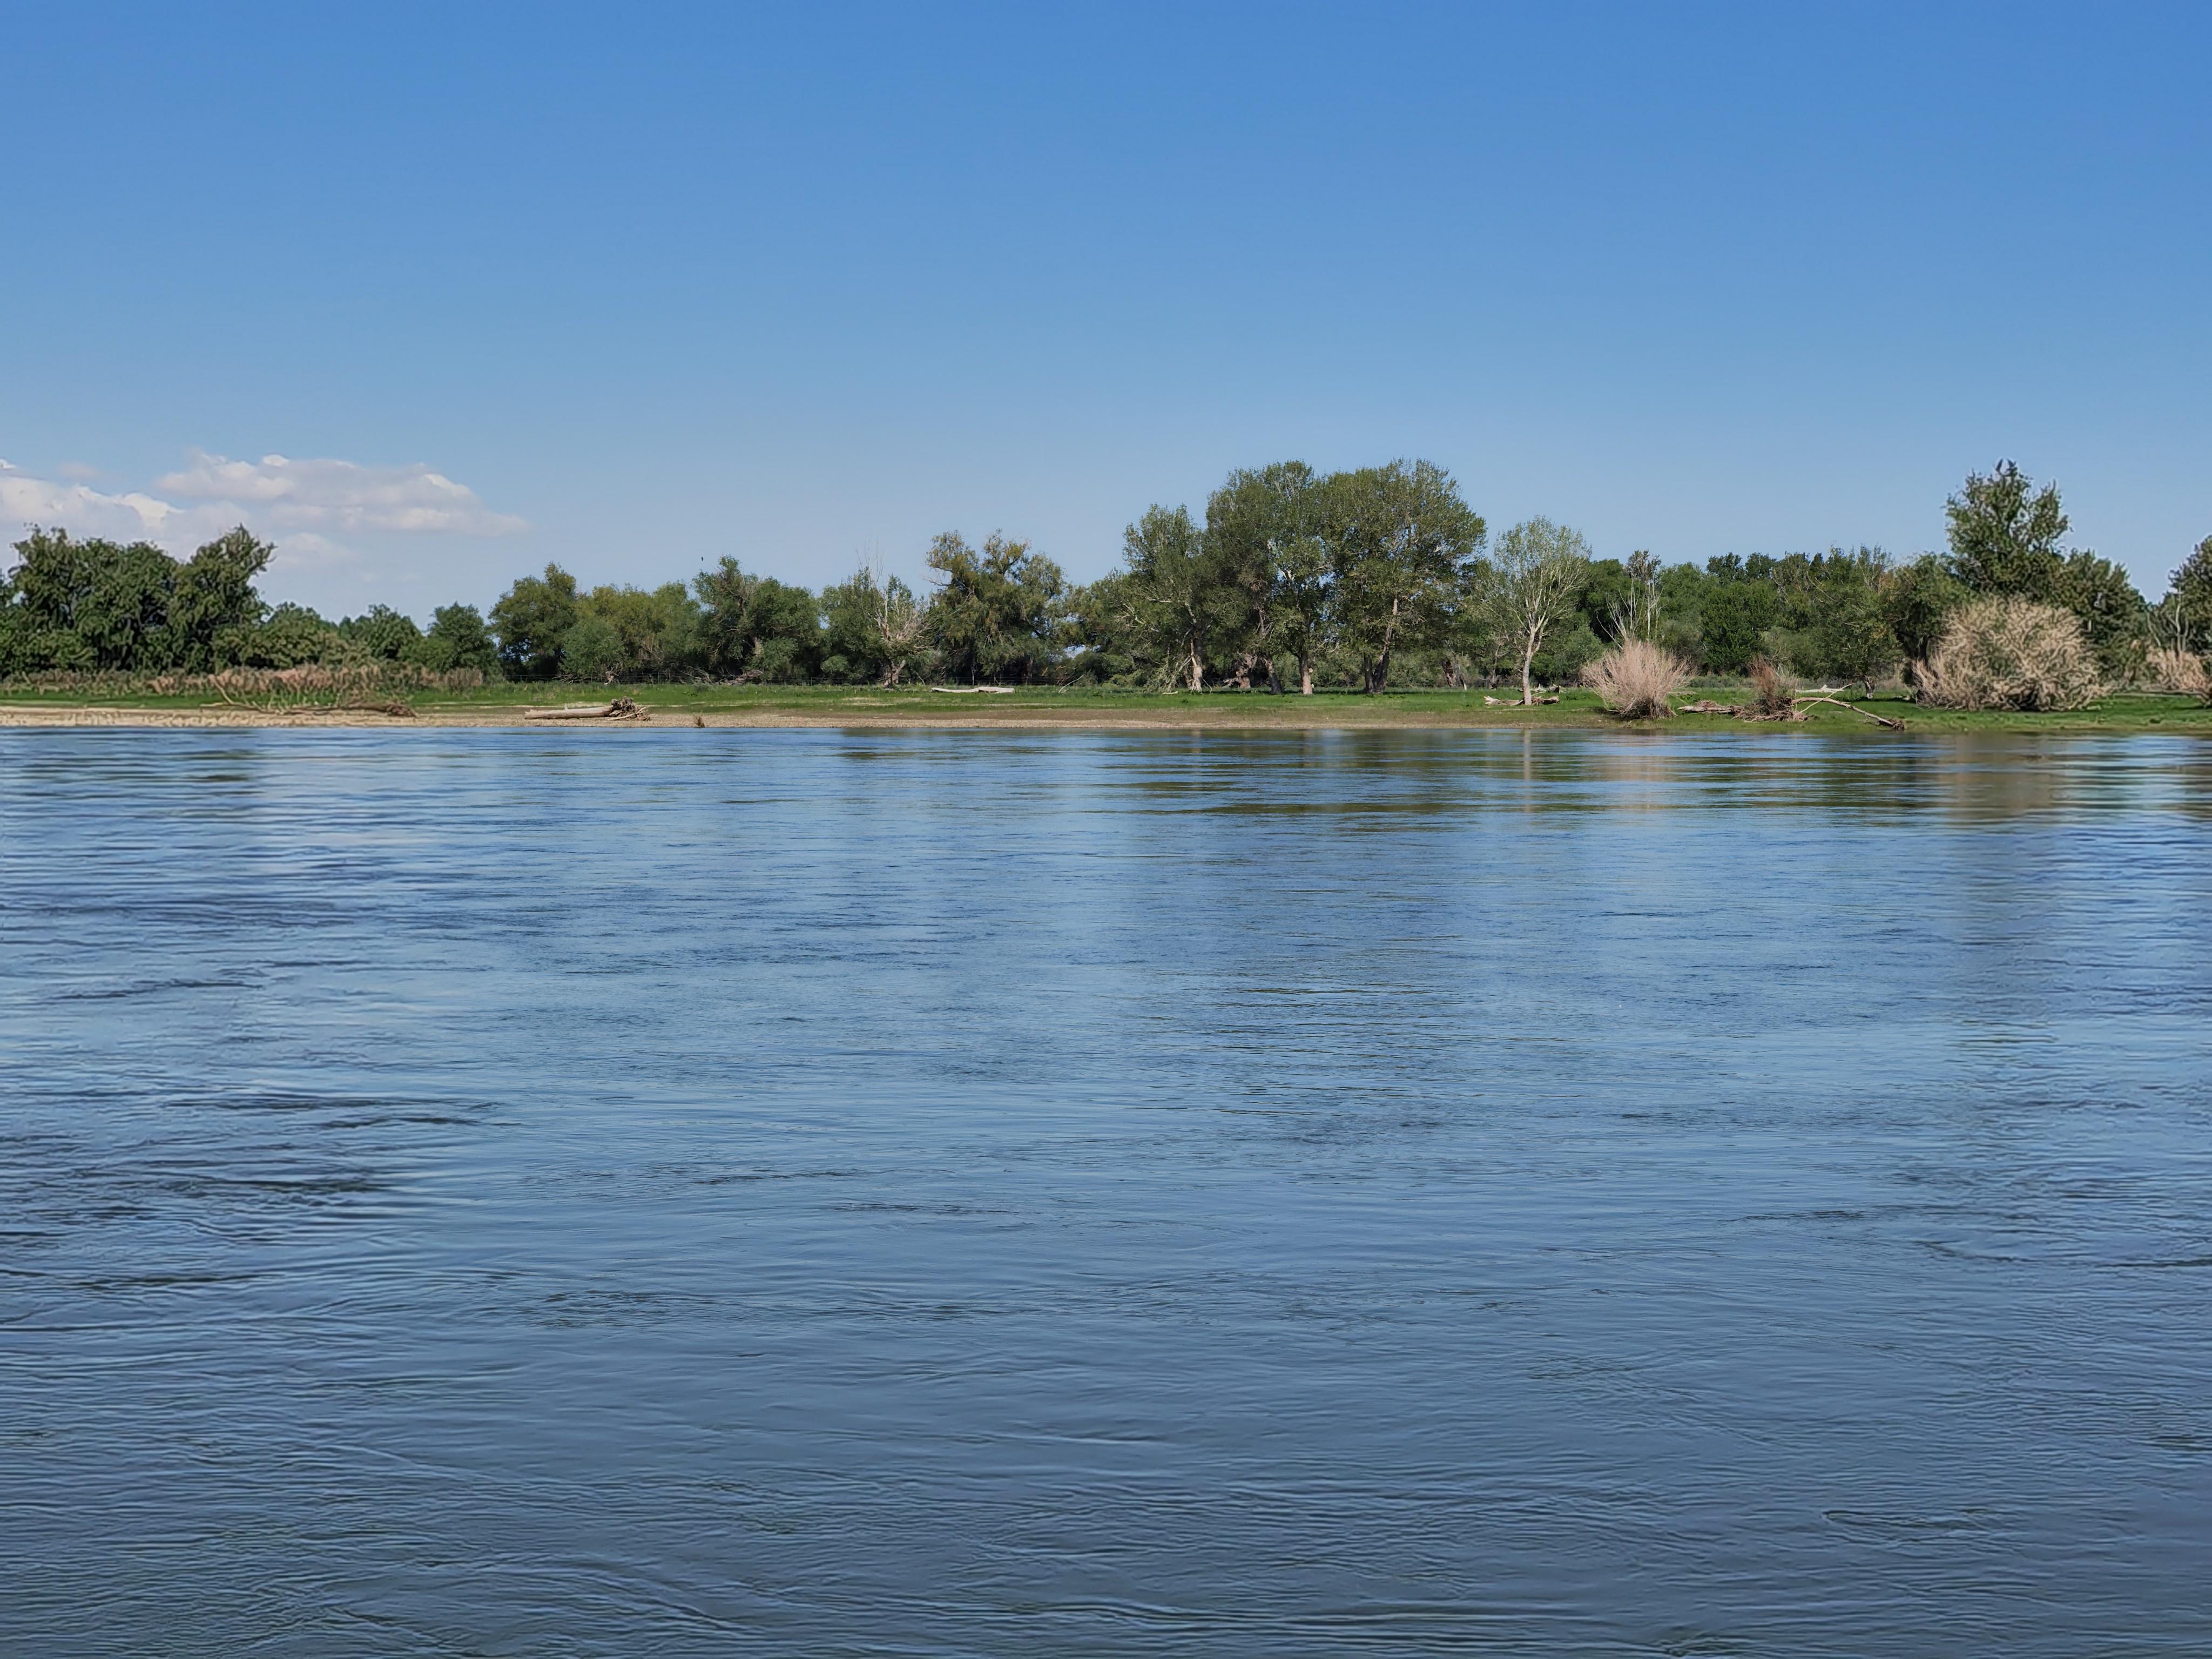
{"x": 273, "y": 495}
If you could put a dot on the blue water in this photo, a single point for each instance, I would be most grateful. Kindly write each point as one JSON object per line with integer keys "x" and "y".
{"x": 689, "y": 1192}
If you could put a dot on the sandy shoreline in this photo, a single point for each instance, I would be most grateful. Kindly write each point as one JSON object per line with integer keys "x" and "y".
{"x": 246, "y": 719}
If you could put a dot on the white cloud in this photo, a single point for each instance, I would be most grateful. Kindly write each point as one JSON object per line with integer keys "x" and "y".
{"x": 133, "y": 516}
{"x": 292, "y": 503}
{"x": 340, "y": 495}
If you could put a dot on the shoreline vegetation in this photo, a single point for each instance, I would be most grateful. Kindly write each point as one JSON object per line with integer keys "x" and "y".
{"x": 1707, "y": 707}
{"x": 1298, "y": 600}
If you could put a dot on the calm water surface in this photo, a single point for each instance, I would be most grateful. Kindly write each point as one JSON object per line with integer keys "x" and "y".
{"x": 932, "y": 1194}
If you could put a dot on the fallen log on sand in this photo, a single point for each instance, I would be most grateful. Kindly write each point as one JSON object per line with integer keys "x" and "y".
{"x": 622, "y": 709}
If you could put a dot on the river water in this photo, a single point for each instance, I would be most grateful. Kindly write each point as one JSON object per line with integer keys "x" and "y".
{"x": 930, "y": 1193}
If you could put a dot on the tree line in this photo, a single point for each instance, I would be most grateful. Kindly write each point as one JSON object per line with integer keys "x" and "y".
{"x": 1288, "y": 580}
{"x": 93, "y": 606}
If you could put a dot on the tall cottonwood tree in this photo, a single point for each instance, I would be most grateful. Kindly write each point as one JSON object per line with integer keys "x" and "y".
{"x": 1173, "y": 592}
{"x": 1262, "y": 528}
{"x": 1401, "y": 542}
{"x": 996, "y": 614}
{"x": 1535, "y": 577}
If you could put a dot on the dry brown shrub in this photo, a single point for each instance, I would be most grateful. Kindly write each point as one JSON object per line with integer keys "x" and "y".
{"x": 1773, "y": 694}
{"x": 2004, "y": 652}
{"x": 2169, "y": 668}
{"x": 1635, "y": 679}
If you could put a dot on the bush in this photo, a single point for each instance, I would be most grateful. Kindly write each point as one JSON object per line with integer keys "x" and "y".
{"x": 2167, "y": 668}
{"x": 1636, "y": 678}
{"x": 2005, "y": 652}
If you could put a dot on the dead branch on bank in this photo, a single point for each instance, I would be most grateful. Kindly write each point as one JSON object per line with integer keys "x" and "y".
{"x": 622, "y": 709}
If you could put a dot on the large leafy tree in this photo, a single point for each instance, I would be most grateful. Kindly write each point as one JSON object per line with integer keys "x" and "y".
{"x": 2113, "y": 613}
{"x": 1917, "y": 602}
{"x": 631, "y": 634}
{"x": 214, "y": 608}
{"x": 1401, "y": 540}
{"x": 2005, "y": 534}
{"x": 1271, "y": 565}
{"x": 1176, "y": 602}
{"x": 531, "y": 619}
{"x": 872, "y": 629}
{"x": 457, "y": 638}
{"x": 113, "y": 599}
{"x": 997, "y": 612}
{"x": 1536, "y": 576}
{"x": 381, "y": 632}
{"x": 756, "y": 627}
{"x": 1735, "y": 610}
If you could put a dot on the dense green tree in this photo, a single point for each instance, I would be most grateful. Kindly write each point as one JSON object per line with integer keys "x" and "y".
{"x": 1917, "y": 602}
{"x": 381, "y": 632}
{"x": 1401, "y": 542}
{"x": 997, "y": 613}
{"x": 756, "y": 627}
{"x": 1178, "y": 604}
{"x": 2005, "y": 534}
{"x": 1734, "y": 611}
{"x": 1538, "y": 573}
{"x": 2113, "y": 615}
{"x": 1101, "y": 635}
{"x": 633, "y": 634}
{"x": 287, "y": 637}
{"x": 872, "y": 631}
{"x": 113, "y": 599}
{"x": 214, "y": 608}
{"x": 1270, "y": 562}
{"x": 531, "y": 619}
{"x": 1845, "y": 629}
{"x": 457, "y": 638}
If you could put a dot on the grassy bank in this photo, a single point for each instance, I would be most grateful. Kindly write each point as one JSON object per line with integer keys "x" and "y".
{"x": 756, "y": 705}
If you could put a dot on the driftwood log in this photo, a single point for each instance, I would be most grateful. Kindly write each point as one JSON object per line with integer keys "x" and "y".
{"x": 622, "y": 709}
{"x": 1879, "y": 719}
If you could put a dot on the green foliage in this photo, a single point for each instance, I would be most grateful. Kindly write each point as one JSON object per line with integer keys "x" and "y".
{"x": 872, "y": 631}
{"x": 1734, "y": 614}
{"x": 531, "y": 620}
{"x": 633, "y": 634}
{"x": 84, "y": 605}
{"x": 457, "y": 638}
{"x": 382, "y": 632}
{"x": 1567, "y": 650}
{"x": 997, "y": 615}
{"x": 287, "y": 637}
{"x": 1101, "y": 635}
{"x": 1401, "y": 545}
{"x": 2112, "y": 614}
{"x": 1268, "y": 552}
{"x": 1917, "y": 602}
{"x": 2005, "y": 534}
{"x": 756, "y": 628}
{"x": 1178, "y": 604}
{"x": 2190, "y": 597}
{"x": 1832, "y": 615}
{"x": 213, "y": 608}
{"x": 1539, "y": 573}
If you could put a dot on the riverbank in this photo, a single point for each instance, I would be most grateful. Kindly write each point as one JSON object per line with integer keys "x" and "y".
{"x": 1044, "y": 707}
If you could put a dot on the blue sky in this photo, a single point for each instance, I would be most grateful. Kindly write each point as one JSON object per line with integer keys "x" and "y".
{"x": 634, "y": 286}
